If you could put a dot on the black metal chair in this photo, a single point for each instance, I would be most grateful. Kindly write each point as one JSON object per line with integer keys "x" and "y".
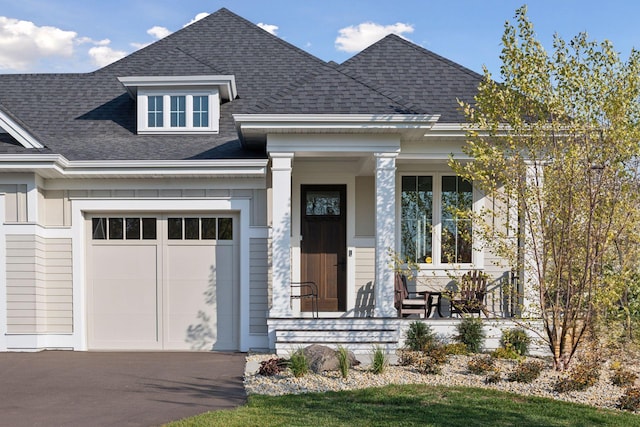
{"x": 307, "y": 290}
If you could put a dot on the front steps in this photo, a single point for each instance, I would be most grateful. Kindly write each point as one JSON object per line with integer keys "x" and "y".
{"x": 361, "y": 335}
{"x": 358, "y": 335}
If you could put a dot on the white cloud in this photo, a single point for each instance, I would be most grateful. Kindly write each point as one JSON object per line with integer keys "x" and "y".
{"x": 197, "y": 18}
{"x": 22, "y": 43}
{"x": 158, "y": 32}
{"x": 104, "y": 55}
{"x": 139, "y": 45}
{"x": 355, "y": 38}
{"x": 269, "y": 28}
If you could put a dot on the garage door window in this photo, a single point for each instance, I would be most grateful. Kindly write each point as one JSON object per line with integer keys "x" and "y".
{"x": 190, "y": 228}
{"x": 116, "y": 228}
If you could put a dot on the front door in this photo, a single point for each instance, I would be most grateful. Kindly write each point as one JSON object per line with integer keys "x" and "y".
{"x": 323, "y": 245}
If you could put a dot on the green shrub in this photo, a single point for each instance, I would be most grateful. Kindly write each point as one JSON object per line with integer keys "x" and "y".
{"x": 379, "y": 360}
{"x": 343, "y": 360}
{"x": 505, "y": 353}
{"x": 481, "y": 365}
{"x": 471, "y": 333}
{"x": 456, "y": 348}
{"x": 272, "y": 366}
{"x": 298, "y": 363}
{"x": 516, "y": 339}
{"x": 526, "y": 372}
{"x": 630, "y": 400}
{"x": 419, "y": 336}
{"x": 583, "y": 375}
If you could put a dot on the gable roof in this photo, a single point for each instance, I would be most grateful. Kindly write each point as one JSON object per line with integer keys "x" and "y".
{"x": 90, "y": 116}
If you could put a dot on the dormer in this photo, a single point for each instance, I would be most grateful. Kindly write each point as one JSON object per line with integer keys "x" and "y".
{"x": 173, "y": 105}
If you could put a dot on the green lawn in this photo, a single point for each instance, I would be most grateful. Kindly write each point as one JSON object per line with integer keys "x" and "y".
{"x": 410, "y": 405}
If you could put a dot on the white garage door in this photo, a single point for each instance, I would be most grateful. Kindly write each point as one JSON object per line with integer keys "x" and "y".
{"x": 162, "y": 282}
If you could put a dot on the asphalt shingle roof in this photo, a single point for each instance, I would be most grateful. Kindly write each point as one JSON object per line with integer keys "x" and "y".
{"x": 90, "y": 116}
{"x": 415, "y": 77}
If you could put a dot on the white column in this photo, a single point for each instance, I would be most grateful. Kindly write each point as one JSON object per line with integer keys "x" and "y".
{"x": 385, "y": 233}
{"x": 281, "y": 234}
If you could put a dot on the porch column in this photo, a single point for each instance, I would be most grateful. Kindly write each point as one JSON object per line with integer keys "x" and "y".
{"x": 385, "y": 232}
{"x": 281, "y": 234}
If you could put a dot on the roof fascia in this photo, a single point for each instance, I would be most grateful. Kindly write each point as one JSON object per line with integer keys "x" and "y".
{"x": 255, "y": 127}
{"x": 22, "y": 136}
{"x": 57, "y": 166}
{"x": 448, "y": 130}
{"x": 226, "y": 83}
{"x": 337, "y": 121}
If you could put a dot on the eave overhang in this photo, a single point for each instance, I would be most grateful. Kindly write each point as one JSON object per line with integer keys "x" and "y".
{"x": 50, "y": 166}
{"x": 18, "y": 132}
{"x": 254, "y": 128}
{"x": 226, "y": 84}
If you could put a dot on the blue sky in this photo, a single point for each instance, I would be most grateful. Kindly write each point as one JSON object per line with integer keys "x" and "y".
{"x": 82, "y": 35}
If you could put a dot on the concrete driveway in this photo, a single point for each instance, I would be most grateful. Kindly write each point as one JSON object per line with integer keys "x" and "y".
{"x": 64, "y": 388}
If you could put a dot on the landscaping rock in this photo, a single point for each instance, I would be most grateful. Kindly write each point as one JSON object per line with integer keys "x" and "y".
{"x": 322, "y": 358}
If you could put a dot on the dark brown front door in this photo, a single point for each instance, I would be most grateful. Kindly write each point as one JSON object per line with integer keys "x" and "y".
{"x": 324, "y": 245}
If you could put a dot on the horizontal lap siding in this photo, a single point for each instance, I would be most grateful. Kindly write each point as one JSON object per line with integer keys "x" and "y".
{"x": 59, "y": 285}
{"x": 259, "y": 269}
{"x": 365, "y": 277}
{"x": 25, "y": 294}
{"x": 39, "y": 283}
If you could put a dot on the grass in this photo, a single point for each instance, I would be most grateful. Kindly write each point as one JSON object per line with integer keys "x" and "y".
{"x": 410, "y": 405}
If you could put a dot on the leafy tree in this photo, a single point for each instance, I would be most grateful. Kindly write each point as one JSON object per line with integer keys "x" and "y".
{"x": 554, "y": 146}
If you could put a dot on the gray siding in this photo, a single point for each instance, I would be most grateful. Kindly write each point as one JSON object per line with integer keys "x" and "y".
{"x": 15, "y": 200}
{"x": 39, "y": 298}
{"x": 365, "y": 275}
{"x": 58, "y": 282}
{"x": 258, "y": 283}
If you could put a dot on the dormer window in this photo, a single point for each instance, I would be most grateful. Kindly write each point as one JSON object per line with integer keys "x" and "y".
{"x": 177, "y": 105}
{"x": 155, "y": 111}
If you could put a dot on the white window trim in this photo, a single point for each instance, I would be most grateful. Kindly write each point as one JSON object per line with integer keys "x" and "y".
{"x": 167, "y": 129}
{"x": 437, "y": 266}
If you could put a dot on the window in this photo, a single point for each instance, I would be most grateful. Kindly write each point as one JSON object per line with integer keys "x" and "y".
{"x": 323, "y": 203}
{"x": 155, "y": 112}
{"x": 117, "y": 228}
{"x": 436, "y": 206}
{"x": 200, "y": 228}
{"x": 416, "y": 218}
{"x": 178, "y": 112}
{"x": 200, "y": 111}
{"x": 457, "y": 199}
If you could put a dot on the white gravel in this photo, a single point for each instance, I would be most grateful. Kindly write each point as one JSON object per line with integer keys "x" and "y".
{"x": 454, "y": 373}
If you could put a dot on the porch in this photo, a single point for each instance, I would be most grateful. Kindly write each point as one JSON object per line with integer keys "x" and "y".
{"x": 359, "y": 331}
{"x": 339, "y": 205}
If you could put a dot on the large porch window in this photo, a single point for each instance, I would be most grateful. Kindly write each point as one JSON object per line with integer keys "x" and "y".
{"x": 422, "y": 220}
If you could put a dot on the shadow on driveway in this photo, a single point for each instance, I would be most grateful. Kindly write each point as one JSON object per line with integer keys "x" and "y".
{"x": 65, "y": 388}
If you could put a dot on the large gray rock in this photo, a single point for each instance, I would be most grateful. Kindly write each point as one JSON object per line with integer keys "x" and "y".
{"x": 322, "y": 358}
